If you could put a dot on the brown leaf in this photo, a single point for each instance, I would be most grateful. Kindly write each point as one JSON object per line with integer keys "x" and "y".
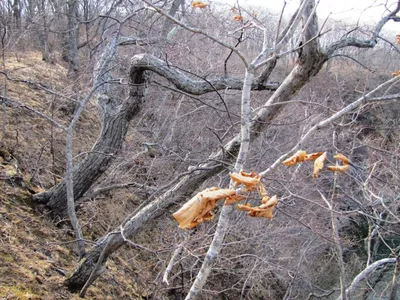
{"x": 198, "y": 209}
{"x": 250, "y": 180}
{"x": 233, "y": 199}
{"x": 237, "y": 18}
{"x": 397, "y": 73}
{"x": 343, "y": 168}
{"x": 313, "y": 156}
{"x": 319, "y": 164}
{"x": 244, "y": 207}
{"x": 299, "y": 156}
{"x": 263, "y": 211}
{"x": 341, "y": 157}
{"x": 199, "y": 4}
{"x": 264, "y": 194}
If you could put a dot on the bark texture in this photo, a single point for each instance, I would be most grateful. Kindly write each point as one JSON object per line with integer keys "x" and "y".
{"x": 116, "y": 119}
{"x": 115, "y": 122}
{"x": 308, "y": 65}
{"x": 111, "y": 243}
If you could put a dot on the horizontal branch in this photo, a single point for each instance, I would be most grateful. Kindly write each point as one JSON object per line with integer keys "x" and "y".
{"x": 194, "y": 87}
{"x": 37, "y": 85}
{"x": 14, "y": 104}
{"x": 366, "y": 43}
{"x": 125, "y": 41}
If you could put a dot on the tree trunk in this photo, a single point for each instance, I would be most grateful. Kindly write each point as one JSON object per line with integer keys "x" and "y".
{"x": 111, "y": 243}
{"x": 44, "y": 32}
{"x": 16, "y": 8}
{"x": 183, "y": 190}
{"x": 115, "y": 122}
{"x": 70, "y": 52}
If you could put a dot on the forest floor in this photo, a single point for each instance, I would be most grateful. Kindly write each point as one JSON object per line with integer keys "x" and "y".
{"x": 36, "y": 256}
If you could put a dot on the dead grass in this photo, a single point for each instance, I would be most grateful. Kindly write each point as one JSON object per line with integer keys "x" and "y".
{"x": 36, "y": 144}
{"x": 36, "y": 256}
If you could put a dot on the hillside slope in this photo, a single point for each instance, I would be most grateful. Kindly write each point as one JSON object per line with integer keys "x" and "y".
{"x": 36, "y": 256}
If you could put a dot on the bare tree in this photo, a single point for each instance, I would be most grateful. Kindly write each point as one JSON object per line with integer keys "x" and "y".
{"x": 241, "y": 56}
{"x": 310, "y": 61}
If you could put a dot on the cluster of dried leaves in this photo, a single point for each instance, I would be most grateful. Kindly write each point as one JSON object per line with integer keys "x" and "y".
{"x": 319, "y": 159}
{"x": 199, "y": 208}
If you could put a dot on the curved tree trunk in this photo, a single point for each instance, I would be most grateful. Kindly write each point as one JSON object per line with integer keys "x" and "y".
{"x": 115, "y": 122}
{"x": 113, "y": 133}
{"x": 116, "y": 119}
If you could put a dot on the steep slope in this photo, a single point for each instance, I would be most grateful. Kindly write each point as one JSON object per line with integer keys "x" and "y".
{"x": 35, "y": 254}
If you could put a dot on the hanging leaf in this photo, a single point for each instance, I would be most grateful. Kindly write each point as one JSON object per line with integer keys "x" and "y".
{"x": 299, "y": 156}
{"x": 198, "y": 209}
{"x": 319, "y": 164}
{"x": 342, "y": 158}
{"x": 263, "y": 211}
{"x": 313, "y": 156}
{"x": 237, "y": 18}
{"x": 398, "y": 38}
{"x": 397, "y": 73}
{"x": 199, "y": 4}
{"x": 264, "y": 194}
{"x": 233, "y": 199}
{"x": 343, "y": 168}
{"x": 250, "y": 180}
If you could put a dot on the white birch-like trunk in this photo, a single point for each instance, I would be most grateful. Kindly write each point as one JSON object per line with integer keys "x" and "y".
{"x": 223, "y": 222}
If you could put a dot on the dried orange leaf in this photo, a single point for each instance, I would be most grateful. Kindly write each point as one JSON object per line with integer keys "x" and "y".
{"x": 250, "y": 180}
{"x": 198, "y": 209}
{"x": 397, "y": 73}
{"x": 199, "y": 4}
{"x": 299, "y": 156}
{"x": 244, "y": 207}
{"x": 264, "y": 194}
{"x": 263, "y": 211}
{"x": 207, "y": 217}
{"x": 233, "y": 199}
{"x": 398, "y": 38}
{"x": 319, "y": 164}
{"x": 343, "y": 168}
{"x": 265, "y": 199}
{"x": 313, "y": 156}
{"x": 272, "y": 202}
{"x": 237, "y": 18}
{"x": 341, "y": 157}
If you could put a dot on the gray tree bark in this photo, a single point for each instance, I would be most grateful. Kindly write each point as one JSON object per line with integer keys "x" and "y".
{"x": 309, "y": 63}
{"x": 116, "y": 119}
{"x": 70, "y": 51}
{"x": 115, "y": 122}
